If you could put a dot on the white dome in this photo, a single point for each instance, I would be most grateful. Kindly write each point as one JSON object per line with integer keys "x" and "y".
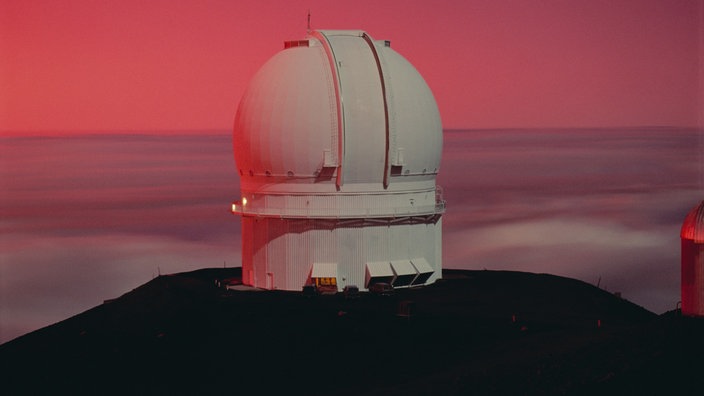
{"x": 337, "y": 113}
{"x": 322, "y": 104}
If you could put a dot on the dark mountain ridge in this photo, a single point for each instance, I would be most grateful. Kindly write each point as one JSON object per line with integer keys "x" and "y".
{"x": 473, "y": 332}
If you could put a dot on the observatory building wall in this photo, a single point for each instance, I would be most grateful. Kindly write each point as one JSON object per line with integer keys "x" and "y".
{"x": 692, "y": 278}
{"x": 284, "y": 252}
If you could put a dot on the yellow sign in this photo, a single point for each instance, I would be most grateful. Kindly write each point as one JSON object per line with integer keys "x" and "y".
{"x": 325, "y": 281}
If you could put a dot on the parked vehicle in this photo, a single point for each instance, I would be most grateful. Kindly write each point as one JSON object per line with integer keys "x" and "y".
{"x": 351, "y": 291}
{"x": 381, "y": 289}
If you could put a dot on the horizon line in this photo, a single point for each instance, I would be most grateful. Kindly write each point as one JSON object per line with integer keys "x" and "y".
{"x": 217, "y": 131}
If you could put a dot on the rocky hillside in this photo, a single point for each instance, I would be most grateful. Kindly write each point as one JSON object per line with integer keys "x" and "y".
{"x": 473, "y": 332}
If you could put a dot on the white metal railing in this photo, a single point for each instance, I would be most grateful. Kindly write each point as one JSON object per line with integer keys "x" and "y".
{"x": 343, "y": 206}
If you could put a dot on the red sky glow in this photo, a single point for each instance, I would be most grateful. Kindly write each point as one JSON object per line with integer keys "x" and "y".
{"x": 92, "y": 66}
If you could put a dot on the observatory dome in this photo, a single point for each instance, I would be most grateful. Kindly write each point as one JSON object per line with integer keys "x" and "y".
{"x": 337, "y": 141}
{"x": 693, "y": 225}
{"x": 337, "y": 113}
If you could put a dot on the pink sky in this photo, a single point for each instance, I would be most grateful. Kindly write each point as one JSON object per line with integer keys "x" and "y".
{"x": 183, "y": 65}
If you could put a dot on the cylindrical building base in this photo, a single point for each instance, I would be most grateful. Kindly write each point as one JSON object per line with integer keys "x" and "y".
{"x": 287, "y": 254}
{"x": 692, "y": 278}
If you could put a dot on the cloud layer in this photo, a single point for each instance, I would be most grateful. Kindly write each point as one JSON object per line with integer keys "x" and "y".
{"x": 603, "y": 206}
{"x": 84, "y": 219}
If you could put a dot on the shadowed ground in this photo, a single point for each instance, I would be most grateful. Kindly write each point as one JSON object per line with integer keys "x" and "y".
{"x": 474, "y": 332}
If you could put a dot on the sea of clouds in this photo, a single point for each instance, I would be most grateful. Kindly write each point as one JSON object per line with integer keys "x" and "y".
{"x": 88, "y": 218}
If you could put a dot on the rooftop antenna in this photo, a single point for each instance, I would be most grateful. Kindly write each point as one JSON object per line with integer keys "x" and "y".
{"x": 308, "y": 31}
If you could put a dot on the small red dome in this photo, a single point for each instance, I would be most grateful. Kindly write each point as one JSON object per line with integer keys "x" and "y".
{"x": 693, "y": 226}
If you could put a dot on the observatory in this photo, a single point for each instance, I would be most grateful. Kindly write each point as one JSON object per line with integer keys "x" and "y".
{"x": 337, "y": 142}
{"x": 692, "y": 236}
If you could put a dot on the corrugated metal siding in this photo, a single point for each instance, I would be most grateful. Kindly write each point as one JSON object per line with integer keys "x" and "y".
{"x": 277, "y": 252}
{"x": 692, "y": 278}
{"x": 299, "y": 260}
{"x": 437, "y": 233}
{"x": 402, "y": 241}
{"x": 259, "y": 250}
{"x": 346, "y": 251}
{"x": 376, "y": 240}
{"x": 288, "y": 248}
{"x": 247, "y": 251}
